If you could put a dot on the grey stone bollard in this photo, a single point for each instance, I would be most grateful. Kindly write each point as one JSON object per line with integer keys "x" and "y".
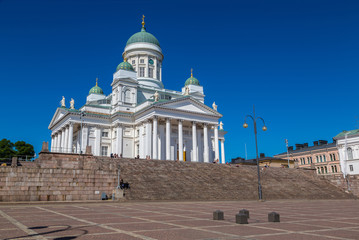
{"x": 241, "y": 218}
{"x": 218, "y": 215}
{"x": 273, "y": 217}
{"x": 245, "y": 212}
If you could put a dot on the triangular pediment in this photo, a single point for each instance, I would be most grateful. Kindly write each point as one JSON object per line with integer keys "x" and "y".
{"x": 59, "y": 114}
{"x": 189, "y": 105}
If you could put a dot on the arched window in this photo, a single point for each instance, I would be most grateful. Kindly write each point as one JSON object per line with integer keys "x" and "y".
{"x": 350, "y": 153}
{"x": 318, "y": 170}
{"x": 303, "y": 160}
{"x": 321, "y": 159}
{"x": 128, "y": 96}
{"x": 326, "y": 169}
{"x": 335, "y": 168}
{"x": 333, "y": 156}
{"x": 324, "y": 158}
{"x": 332, "y": 167}
{"x": 317, "y": 159}
{"x": 322, "y": 169}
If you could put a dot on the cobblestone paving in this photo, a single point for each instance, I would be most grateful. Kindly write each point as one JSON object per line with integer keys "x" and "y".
{"x": 300, "y": 219}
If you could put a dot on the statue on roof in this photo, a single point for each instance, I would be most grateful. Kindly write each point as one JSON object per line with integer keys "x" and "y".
{"x": 221, "y": 125}
{"x": 156, "y": 96}
{"x": 214, "y": 106}
{"x": 62, "y": 102}
{"x": 72, "y": 104}
{"x": 186, "y": 91}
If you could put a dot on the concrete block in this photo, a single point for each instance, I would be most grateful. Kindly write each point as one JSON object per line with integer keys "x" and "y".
{"x": 245, "y": 212}
{"x": 241, "y": 218}
{"x": 273, "y": 217}
{"x": 218, "y": 215}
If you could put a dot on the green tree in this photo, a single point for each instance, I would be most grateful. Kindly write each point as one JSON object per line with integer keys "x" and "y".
{"x": 6, "y": 149}
{"x": 23, "y": 148}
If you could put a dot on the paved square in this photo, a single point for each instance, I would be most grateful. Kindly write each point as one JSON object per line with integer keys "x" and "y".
{"x": 300, "y": 219}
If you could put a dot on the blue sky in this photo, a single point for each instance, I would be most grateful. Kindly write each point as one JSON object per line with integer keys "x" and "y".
{"x": 296, "y": 61}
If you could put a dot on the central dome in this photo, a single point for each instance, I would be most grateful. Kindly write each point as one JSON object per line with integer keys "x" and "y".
{"x": 143, "y": 36}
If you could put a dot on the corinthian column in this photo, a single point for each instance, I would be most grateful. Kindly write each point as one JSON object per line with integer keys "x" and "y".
{"x": 205, "y": 143}
{"x": 148, "y": 138}
{"x": 154, "y": 138}
{"x": 70, "y": 139}
{"x": 194, "y": 142}
{"x": 168, "y": 139}
{"x": 180, "y": 141}
{"x": 223, "y": 160}
{"x": 66, "y": 139}
{"x": 216, "y": 142}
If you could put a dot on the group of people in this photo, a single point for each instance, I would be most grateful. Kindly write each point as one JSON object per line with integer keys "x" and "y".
{"x": 115, "y": 155}
{"x": 124, "y": 185}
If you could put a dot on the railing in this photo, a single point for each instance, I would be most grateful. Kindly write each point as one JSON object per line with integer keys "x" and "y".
{"x": 8, "y": 161}
{"x": 65, "y": 150}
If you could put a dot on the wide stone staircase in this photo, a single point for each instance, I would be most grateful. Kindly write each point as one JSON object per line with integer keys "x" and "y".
{"x": 169, "y": 180}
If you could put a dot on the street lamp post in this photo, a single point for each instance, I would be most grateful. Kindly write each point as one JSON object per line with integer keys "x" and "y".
{"x": 286, "y": 142}
{"x": 264, "y": 128}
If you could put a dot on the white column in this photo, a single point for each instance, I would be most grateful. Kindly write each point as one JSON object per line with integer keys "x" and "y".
{"x": 66, "y": 139}
{"x": 194, "y": 142}
{"x": 70, "y": 138}
{"x": 119, "y": 136}
{"x": 162, "y": 142}
{"x": 142, "y": 143}
{"x": 148, "y": 138}
{"x": 199, "y": 146}
{"x": 180, "y": 141}
{"x": 84, "y": 137}
{"x": 223, "y": 160}
{"x": 62, "y": 141}
{"x": 56, "y": 149}
{"x": 205, "y": 143}
{"x": 52, "y": 142}
{"x": 168, "y": 139}
{"x": 216, "y": 147}
{"x": 155, "y": 142}
{"x": 97, "y": 149}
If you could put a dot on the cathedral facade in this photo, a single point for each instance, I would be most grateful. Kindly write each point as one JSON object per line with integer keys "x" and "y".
{"x": 140, "y": 118}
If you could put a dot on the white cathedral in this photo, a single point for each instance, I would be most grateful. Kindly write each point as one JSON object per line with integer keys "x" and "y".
{"x": 140, "y": 118}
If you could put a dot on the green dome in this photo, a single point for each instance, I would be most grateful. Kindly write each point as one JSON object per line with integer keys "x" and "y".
{"x": 96, "y": 89}
{"x": 192, "y": 81}
{"x": 125, "y": 66}
{"x": 143, "y": 36}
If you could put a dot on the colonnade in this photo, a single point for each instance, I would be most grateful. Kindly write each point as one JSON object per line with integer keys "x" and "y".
{"x": 153, "y": 135}
{"x": 62, "y": 140}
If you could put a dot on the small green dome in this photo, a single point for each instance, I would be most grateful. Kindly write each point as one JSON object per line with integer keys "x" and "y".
{"x": 143, "y": 36}
{"x": 125, "y": 66}
{"x": 192, "y": 81}
{"x": 96, "y": 89}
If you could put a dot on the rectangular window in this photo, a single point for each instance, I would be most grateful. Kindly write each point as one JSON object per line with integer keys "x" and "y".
{"x": 351, "y": 168}
{"x": 142, "y": 71}
{"x": 104, "y": 134}
{"x": 142, "y": 61}
{"x": 150, "y": 72}
{"x": 133, "y": 62}
{"x": 104, "y": 150}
